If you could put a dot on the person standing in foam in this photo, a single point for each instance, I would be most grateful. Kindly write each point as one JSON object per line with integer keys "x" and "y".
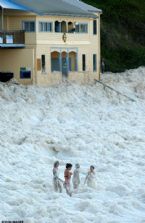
{"x": 90, "y": 178}
{"x": 67, "y": 177}
{"x": 56, "y": 180}
{"x": 76, "y": 177}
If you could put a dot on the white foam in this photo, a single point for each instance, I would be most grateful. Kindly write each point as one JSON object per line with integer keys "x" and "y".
{"x": 89, "y": 125}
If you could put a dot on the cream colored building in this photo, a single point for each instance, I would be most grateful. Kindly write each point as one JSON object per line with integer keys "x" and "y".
{"x": 44, "y": 42}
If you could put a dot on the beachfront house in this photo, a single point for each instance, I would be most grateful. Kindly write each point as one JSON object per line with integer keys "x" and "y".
{"x": 44, "y": 42}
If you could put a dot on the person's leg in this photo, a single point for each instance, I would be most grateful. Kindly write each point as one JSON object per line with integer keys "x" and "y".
{"x": 75, "y": 186}
{"x": 59, "y": 187}
{"x": 68, "y": 190}
{"x": 55, "y": 184}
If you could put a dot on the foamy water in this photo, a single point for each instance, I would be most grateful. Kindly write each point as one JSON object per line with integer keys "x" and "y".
{"x": 89, "y": 125}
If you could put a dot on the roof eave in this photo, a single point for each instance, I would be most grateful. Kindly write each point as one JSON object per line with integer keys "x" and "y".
{"x": 86, "y": 15}
{"x": 97, "y": 11}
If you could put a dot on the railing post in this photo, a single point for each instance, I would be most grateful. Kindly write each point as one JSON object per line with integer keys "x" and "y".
{"x": 2, "y": 18}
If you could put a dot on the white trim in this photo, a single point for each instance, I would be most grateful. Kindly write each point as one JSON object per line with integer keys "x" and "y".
{"x": 59, "y": 49}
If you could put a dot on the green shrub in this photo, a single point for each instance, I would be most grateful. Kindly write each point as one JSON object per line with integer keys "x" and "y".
{"x": 122, "y": 33}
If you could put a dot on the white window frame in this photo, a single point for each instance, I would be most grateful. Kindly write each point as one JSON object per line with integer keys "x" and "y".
{"x": 79, "y": 25}
{"x": 46, "y": 23}
{"x": 29, "y": 21}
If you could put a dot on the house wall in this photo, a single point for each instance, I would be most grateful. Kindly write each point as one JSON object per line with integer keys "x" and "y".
{"x": 84, "y": 43}
{"x": 14, "y": 22}
{"x": 40, "y": 43}
{"x": 13, "y": 60}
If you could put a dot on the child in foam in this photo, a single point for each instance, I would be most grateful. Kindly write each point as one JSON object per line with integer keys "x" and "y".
{"x": 56, "y": 180}
{"x": 76, "y": 177}
{"x": 90, "y": 178}
{"x": 67, "y": 177}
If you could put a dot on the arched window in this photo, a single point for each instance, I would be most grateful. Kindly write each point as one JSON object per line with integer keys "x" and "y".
{"x": 71, "y": 28}
{"x": 72, "y": 61}
{"x": 64, "y": 57}
{"x": 57, "y": 27}
{"x": 63, "y": 27}
{"x": 55, "y": 61}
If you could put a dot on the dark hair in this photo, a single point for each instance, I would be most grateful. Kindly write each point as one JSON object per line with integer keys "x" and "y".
{"x": 56, "y": 163}
{"x": 68, "y": 165}
{"x": 92, "y": 167}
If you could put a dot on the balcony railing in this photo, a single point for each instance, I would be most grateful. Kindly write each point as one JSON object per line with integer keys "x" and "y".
{"x": 12, "y": 39}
